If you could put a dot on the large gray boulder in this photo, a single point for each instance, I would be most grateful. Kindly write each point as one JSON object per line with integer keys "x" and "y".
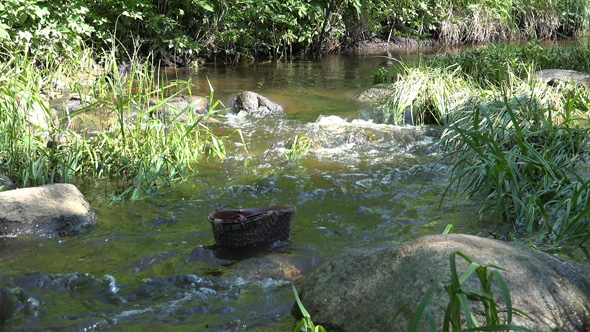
{"x": 253, "y": 103}
{"x": 556, "y": 76}
{"x": 362, "y": 290}
{"x": 46, "y": 211}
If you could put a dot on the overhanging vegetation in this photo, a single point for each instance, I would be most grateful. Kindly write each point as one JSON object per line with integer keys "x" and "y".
{"x": 181, "y": 31}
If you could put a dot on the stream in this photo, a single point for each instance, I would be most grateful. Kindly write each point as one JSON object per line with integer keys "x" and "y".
{"x": 152, "y": 265}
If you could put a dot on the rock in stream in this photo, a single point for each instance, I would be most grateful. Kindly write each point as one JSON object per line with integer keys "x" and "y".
{"x": 363, "y": 289}
{"x": 253, "y": 103}
{"x": 46, "y": 211}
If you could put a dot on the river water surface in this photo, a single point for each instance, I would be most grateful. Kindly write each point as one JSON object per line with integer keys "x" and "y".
{"x": 152, "y": 265}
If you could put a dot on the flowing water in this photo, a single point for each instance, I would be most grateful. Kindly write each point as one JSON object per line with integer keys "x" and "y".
{"x": 152, "y": 265}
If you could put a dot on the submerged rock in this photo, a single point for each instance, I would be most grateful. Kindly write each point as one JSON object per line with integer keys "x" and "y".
{"x": 362, "y": 290}
{"x": 555, "y": 76}
{"x": 46, "y": 211}
{"x": 73, "y": 102}
{"x": 378, "y": 97}
{"x": 12, "y": 301}
{"x": 273, "y": 266}
{"x": 84, "y": 114}
{"x": 178, "y": 108}
{"x": 374, "y": 95}
{"x": 251, "y": 102}
{"x": 333, "y": 131}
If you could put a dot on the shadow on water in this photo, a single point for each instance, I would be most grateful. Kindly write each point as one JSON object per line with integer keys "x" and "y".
{"x": 154, "y": 265}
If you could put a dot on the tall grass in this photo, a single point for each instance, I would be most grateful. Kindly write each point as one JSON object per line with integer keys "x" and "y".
{"x": 484, "y": 22}
{"x": 517, "y": 149}
{"x": 426, "y": 94}
{"x": 492, "y": 65}
{"x": 515, "y": 144}
{"x": 141, "y": 145}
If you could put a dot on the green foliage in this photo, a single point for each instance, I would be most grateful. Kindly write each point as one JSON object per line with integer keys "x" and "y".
{"x": 518, "y": 150}
{"x": 180, "y": 31}
{"x": 299, "y": 148}
{"x": 380, "y": 76}
{"x": 492, "y": 65}
{"x": 49, "y": 29}
{"x": 143, "y": 149}
{"x": 458, "y": 312}
{"x": 305, "y": 324}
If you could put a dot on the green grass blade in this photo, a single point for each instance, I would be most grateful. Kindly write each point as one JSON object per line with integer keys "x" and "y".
{"x": 424, "y": 303}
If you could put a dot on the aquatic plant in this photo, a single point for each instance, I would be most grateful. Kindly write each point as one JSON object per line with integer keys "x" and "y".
{"x": 381, "y": 75}
{"x": 305, "y": 324}
{"x": 458, "y": 312}
{"x": 299, "y": 148}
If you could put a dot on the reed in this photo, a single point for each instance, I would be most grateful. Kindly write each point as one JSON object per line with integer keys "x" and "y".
{"x": 305, "y": 324}
{"x": 138, "y": 144}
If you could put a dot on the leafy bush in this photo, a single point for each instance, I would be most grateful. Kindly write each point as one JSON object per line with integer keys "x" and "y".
{"x": 180, "y": 31}
{"x": 49, "y": 29}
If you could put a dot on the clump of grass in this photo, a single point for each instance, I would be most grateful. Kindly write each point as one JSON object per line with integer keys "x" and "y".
{"x": 458, "y": 312}
{"x": 432, "y": 91}
{"x": 427, "y": 94}
{"x": 515, "y": 146}
{"x": 299, "y": 148}
{"x": 517, "y": 149}
{"x": 305, "y": 324}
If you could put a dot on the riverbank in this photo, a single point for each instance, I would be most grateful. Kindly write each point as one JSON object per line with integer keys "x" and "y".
{"x": 180, "y": 33}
